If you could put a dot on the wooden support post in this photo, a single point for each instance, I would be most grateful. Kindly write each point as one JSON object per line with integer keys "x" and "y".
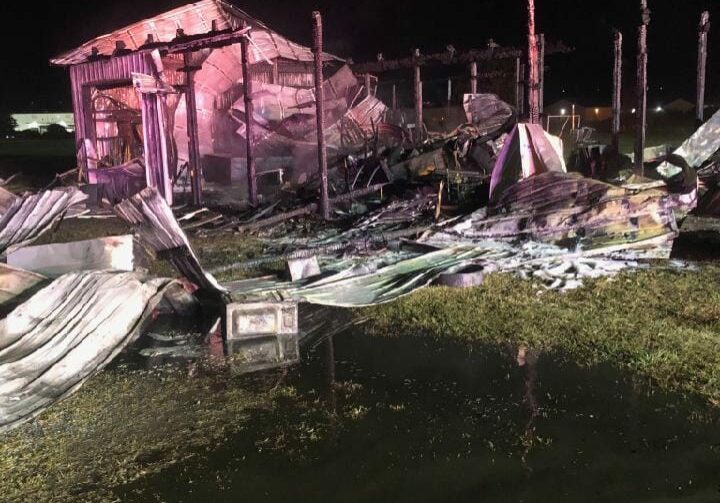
{"x": 192, "y": 129}
{"x": 249, "y": 110}
{"x": 368, "y": 85}
{"x": 541, "y": 64}
{"x": 617, "y": 92}
{"x": 394, "y": 97}
{"x": 449, "y": 92}
{"x": 703, "y": 31}
{"x": 520, "y": 88}
{"x": 533, "y": 62}
{"x": 473, "y": 77}
{"x": 320, "y": 112}
{"x": 275, "y": 73}
{"x": 642, "y": 84}
{"x": 418, "y": 96}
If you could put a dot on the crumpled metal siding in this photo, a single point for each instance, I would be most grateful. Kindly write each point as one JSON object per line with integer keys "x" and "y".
{"x": 66, "y": 333}
{"x": 31, "y": 216}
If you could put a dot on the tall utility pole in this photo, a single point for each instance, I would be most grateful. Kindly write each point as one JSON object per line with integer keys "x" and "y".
{"x": 642, "y": 85}
{"x": 534, "y": 85}
{"x": 617, "y": 92}
{"x": 320, "y": 112}
{"x": 703, "y": 31}
{"x": 541, "y": 72}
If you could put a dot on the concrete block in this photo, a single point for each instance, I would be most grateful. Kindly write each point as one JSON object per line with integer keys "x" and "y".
{"x": 248, "y": 320}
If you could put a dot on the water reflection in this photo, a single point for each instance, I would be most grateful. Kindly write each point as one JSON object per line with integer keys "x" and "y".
{"x": 418, "y": 419}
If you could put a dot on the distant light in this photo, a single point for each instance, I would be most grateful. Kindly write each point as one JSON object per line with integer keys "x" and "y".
{"x": 597, "y": 111}
{"x": 659, "y": 109}
{"x": 634, "y": 110}
{"x": 563, "y": 111}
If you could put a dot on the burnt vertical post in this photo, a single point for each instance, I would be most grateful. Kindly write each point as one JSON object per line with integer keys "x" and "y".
{"x": 449, "y": 92}
{"x": 533, "y": 62}
{"x": 541, "y": 75}
{"x": 520, "y": 88}
{"x": 642, "y": 84}
{"x": 703, "y": 31}
{"x": 418, "y": 95}
{"x": 394, "y": 97}
{"x": 192, "y": 129}
{"x": 249, "y": 111}
{"x": 320, "y": 112}
{"x": 368, "y": 85}
{"x": 473, "y": 77}
{"x": 617, "y": 91}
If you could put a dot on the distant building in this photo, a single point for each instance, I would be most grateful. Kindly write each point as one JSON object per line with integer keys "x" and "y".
{"x": 680, "y": 105}
{"x": 598, "y": 114}
{"x": 565, "y": 107}
{"x": 587, "y": 114}
{"x": 40, "y": 121}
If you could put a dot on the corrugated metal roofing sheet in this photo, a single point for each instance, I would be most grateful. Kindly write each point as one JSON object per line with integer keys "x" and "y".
{"x": 66, "y": 333}
{"x": 31, "y": 216}
{"x": 194, "y": 19}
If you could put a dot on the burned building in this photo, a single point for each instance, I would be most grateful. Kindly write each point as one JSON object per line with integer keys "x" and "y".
{"x": 156, "y": 101}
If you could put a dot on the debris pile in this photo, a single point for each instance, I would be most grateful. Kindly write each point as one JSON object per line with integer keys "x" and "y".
{"x": 493, "y": 196}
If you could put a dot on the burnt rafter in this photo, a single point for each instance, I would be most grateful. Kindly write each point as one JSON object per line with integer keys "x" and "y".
{"x": 183, "y": 43}
{"x": 453, "y": 57}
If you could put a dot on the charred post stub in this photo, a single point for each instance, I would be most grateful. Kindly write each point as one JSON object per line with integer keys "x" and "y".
{"x": 617, "y": 92}
{"x": 320, "y": 112}
{"x": 703, "y": 31}
{"x": 394, "y": 97}
{"x": 249, "y": 111}
{"x": 418, "y": 96}
{"x": 642, "y": 63}
{"x": 368, "y": 85}
{"x": 533, "y": 61}
{"x": 473, "y": 77}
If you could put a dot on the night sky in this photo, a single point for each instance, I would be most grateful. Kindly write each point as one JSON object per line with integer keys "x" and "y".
{"x": 34, "y": 32}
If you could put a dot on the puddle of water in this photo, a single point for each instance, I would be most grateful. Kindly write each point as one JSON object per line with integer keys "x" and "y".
{"x": 413, "y": 419}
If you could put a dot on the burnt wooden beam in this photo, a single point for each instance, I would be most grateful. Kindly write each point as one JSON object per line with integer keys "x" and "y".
{"x": 368, "y": 84}
{"x": 211, "y": 40}
{"x": 320, "y": 112}
{"x": 703, "y": 30}
{"x": 617, "y": 91}
{"x": 453, "y": 58}
{"x": 533, "y": 65}
{"x": 192, "y": 127}
{"x": 417, "y": 85}
{"x": 394, "y": 97}
{"x": 642, "y": 84}
{"x": 249, "y": 110}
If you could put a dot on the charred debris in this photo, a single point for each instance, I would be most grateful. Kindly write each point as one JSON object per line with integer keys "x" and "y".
{"x": 226, "y": 127}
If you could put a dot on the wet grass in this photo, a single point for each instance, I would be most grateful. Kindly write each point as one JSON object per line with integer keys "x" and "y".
{"x": 121, "y": 426}
{"x": 657, "y": 324}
